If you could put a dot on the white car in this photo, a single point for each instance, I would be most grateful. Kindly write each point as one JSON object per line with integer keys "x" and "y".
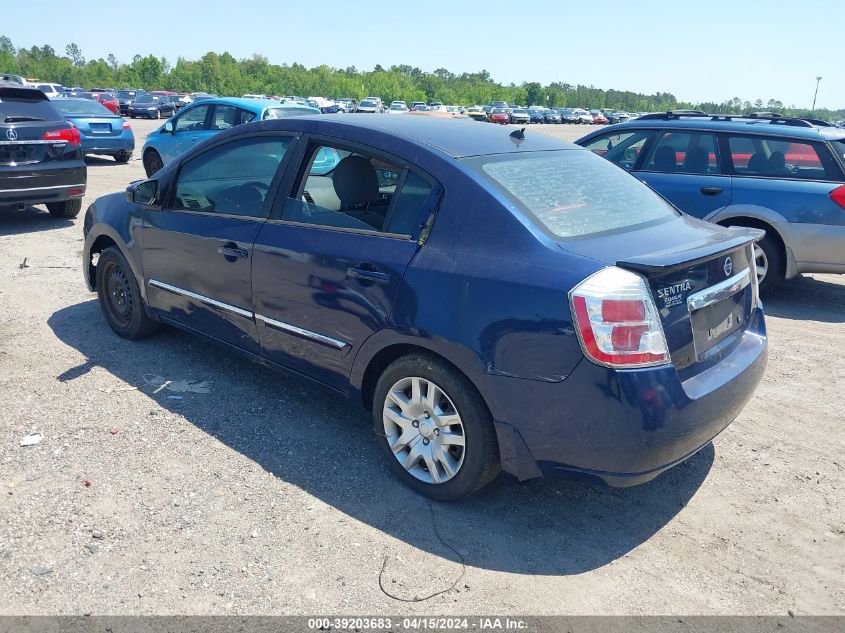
{"x": 398, "y": 107}
{"x": 252, "y": 97}
{"x": 51, "y": 90}
{"x": 369, "y": 106}
{"x": 583, "y": 116}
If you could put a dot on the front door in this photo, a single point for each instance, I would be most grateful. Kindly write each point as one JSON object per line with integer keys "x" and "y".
{"x": 197, "y": 250}
{"x": 328, "y": 265}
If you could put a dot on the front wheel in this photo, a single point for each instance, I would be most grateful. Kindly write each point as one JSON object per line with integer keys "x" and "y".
{"x": 66, "y": 209}
{"x": 120, "y": 298}
{"x": 152, "y": 162}
{"x": 435, "y": 429}
{"x": 157, "y": 114}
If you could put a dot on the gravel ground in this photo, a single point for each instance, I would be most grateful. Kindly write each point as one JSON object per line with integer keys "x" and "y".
{"x": 267, "y": 495}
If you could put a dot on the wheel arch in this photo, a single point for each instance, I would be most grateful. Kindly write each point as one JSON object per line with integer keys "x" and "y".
{"x": 770, "y": 229}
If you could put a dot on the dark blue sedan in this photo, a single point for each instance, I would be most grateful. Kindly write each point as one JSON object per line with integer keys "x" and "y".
{"x": 101, "y": 131}
{"x": 498, "y": 299}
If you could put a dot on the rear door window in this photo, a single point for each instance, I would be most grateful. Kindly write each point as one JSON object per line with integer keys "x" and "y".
{"x": 226, "y": 116}
{"x": 575, "y": 193}
{"x": 766, "y": 156}
{"x": 622, "y": 148}
{"x": 684, "y": 153}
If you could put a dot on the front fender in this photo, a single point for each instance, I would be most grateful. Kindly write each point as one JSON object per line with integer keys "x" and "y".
{"x": 117, "y": 221}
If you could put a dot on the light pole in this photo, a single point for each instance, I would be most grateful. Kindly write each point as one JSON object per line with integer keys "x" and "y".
{"x": 818, "y": 79}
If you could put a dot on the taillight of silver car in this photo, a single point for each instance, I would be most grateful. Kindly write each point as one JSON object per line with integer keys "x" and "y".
{"x": 616, "y": 320}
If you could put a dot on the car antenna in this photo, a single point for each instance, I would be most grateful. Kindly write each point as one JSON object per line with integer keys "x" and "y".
{"x": 517, "y": 136}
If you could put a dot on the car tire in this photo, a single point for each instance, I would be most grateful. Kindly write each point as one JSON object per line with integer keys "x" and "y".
{"x": 122, "y": 157}
{"x": 133, "y": 116}
{"x": 472, "y": 465}
{"x": 157, "y": 114}
{"x": 66, "y": 209}
{"x": 768, "y": 255}
{"x": 152, "y": 162}
{"x": 120, "y": 298}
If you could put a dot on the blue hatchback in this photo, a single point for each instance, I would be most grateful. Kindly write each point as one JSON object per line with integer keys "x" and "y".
{"x": 782, "y": 175}
{"x": 204, "y": 119}
{"x": 100, "y": 130}
{"x": 498, "y": 299}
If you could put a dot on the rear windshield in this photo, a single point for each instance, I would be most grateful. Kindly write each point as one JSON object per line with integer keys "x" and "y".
{"x": 575, "y": 193}
{"x": 19, "y": 108}
{"x": 82, "y": 107}
{"x": 283, "y": 113}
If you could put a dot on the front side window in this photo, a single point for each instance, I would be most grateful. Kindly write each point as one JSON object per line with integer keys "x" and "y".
{"x": 622, "y": 148}
{"x": 348, "y": 189}
{"x": 684, "y": 153}
{"x": 233, "y": 178}
{"x": 575, "y": 193}
{"x": 192, "y": 119}
{"x": 780, "y": 158}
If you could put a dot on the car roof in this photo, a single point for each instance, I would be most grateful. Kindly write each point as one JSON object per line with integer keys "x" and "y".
{"x": 254, "y": 105}
{"x": 455, "y": 137}
{"x": 716, "y": 124}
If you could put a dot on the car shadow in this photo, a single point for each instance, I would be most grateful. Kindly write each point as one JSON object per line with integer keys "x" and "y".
{"x": 102, "y": 161}
{"x": 312, "y": 438}
{"x": 807, "y": 299}
{"x": 29, "y": 220}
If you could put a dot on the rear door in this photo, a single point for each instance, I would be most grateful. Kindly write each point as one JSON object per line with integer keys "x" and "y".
{"x": 685, "y": 167}
{"x": 197, "y": 249}
{"x": 328, "y": 264}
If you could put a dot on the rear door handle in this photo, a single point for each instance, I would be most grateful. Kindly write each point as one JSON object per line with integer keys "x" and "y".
{"x": 232, "y": 252}
{"x": 368, "y": 275}
{"x": 711, "y": 191}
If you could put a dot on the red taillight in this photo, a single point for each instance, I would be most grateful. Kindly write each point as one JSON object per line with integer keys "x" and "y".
{"x": 67, "y": 135}
{"x": 126, "y": 126}
{"x": 616, "y": 320}
{"x": 838, "y": 196}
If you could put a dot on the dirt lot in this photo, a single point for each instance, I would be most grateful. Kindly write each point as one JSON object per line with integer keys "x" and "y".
{"x": 268, "y": 495}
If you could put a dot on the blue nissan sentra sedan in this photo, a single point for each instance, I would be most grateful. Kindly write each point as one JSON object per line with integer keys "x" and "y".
{"x": 500, "y": 300}
{"x": 101, "y": 131}
{"x": 208, "y": 117}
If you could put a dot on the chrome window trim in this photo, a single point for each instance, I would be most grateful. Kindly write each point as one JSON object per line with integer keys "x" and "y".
{"x": 719, "y": 291}
{"x": 287, "y": 327}
{"x": 82, "y": 186}
{"x": 193, "y": 295}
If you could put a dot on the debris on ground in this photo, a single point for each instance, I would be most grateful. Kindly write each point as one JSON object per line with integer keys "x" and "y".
{"x": 23, "y": 264}
{"x": 41, "y": 570}
{"x": 178, "y": 386}
{"x": 32, "y": 439}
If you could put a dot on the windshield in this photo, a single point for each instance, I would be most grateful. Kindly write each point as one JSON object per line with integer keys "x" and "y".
{"x": 397, "y": 106}
{"x": 126, "y": 94}
{"x": 81, "y": 108}
{"x": 574, "y": 193}
{"x": 368, "y": 104}
{"x": 146, "y": 99}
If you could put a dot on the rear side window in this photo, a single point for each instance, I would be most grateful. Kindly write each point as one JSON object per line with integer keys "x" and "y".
{"x": 684, "y": 153}
{"x": 18, "y": 108}
{"x": 839, "y": 149}
{"x": 780, "y": 158}
{"x": 226, "y": 116}
{"x": 576, "y": 193}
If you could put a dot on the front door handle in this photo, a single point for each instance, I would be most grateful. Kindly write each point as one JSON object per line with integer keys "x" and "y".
{"x": 711, "y": 191}
{"x": 232, "y": 252}
{"x": 368, "y": 275}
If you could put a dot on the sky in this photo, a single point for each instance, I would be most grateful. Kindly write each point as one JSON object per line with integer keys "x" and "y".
{"x": 709, "y": 51}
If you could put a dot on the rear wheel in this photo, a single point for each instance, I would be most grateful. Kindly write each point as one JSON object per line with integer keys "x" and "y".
{"x": 66, "y": 209}
{"x": 768, "y": 256}
{"x": 152, "y": 162}
{"x": 123, "y": 157}
{"x": 435, "y": 429}
{"x": 120, "y": 298}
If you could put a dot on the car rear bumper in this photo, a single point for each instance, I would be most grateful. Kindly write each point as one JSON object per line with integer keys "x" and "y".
{"x": 104, "y": 145}
{"x": 39, "y": 186}
{"x": 624, "y": 427}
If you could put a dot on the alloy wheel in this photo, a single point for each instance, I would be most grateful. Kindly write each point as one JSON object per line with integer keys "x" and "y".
{"x": 761, "y": 262}
{"x": 424, "y": 430}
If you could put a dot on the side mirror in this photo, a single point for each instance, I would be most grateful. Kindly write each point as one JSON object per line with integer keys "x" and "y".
{"x": 169, "y": 127}
{"x": 142, "y": 192}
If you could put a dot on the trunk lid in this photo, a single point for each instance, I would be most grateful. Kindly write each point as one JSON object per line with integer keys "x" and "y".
{"x": 701, "y": 277}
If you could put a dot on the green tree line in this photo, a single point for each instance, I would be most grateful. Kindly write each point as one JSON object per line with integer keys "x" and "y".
{"x": 221, "y": 73}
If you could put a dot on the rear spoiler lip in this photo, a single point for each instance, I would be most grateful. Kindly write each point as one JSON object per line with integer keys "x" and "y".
{"x": 667, "y": 261}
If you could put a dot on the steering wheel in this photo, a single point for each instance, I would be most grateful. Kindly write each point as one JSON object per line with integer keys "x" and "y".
{"x": 246, "y": 194}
